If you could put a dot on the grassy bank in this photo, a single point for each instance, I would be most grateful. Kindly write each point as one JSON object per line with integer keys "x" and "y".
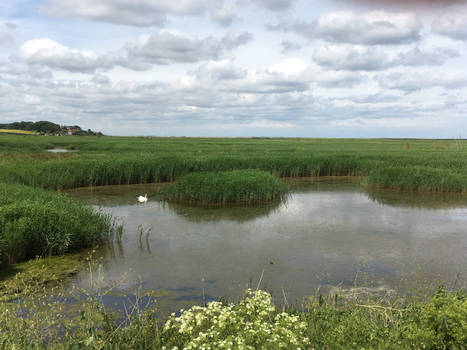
{"x": 35, "y": 222}
{"x": 125, "y": 160}
{"x": 252, "y": 323}
{"x": 236, "y": 186}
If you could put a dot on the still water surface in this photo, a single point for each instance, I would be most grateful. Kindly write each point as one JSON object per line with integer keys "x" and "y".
{"x": 328, "y": 233}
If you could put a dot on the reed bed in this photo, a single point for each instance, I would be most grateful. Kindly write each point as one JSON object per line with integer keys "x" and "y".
{"x": 124, "y": 160}
{"x": 418, "y": 178}
{"x": 35, "y": 222}
{"x": 236, "y": 186}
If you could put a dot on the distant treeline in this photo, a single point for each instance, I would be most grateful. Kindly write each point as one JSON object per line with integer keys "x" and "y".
{"x": 46, "y": 127}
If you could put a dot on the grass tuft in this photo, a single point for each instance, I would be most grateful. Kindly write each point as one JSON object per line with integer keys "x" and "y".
{"x": 236, "y": 186}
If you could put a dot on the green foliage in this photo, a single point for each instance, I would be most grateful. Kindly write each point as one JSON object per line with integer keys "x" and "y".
{"x": 253, "y": 323}
{"x": 440, "y": 324}
{"x": 246, "y": 186}
{"x": 35, "y": 222}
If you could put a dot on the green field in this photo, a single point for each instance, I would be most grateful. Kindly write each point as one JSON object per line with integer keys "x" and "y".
{"x": 36, "y": 221}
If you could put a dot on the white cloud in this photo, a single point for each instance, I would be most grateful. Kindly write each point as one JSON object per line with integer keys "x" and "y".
{"x": 371, "y": 58}
{"x": 224, "y": 14}
{"x": 290, "y": 67}
{"x": 452, "y": 24}
{"x": 425, "y": 57}
{"x": 139, "y": 12}
{"x": 415, "y": 81}
{"x": 163, "y": 48}
{"x": 415, "y": 4}
{"x": 167, "y": 47}
{"x": 338, "y": 79}
{"x": 289, "y": 46}
{"x": 371, "y": 28}
{"x": 220, "y": 70}
{"x": 233, "y": 39}
{"x": 267, "y": 82}
{"x": 350, "y": 57}
{"x": 275, "y": 5}
{"x": 336, "y": 71}
{"x": 7, "y": 35}
{"x": 49, "y": 53}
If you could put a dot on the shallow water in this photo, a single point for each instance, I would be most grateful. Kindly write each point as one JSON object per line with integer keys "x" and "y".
{"x": 328, "y": 233}
{"x": 60, "y": 150}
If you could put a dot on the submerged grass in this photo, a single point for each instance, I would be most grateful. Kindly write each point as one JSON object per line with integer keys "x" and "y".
{"x": 38, "y": 275}
{"x": 236, "y": 186}
{"x": 35, "y": 222}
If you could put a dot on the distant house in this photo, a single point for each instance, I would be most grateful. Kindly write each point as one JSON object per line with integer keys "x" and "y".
{"x": 72, "y": 131}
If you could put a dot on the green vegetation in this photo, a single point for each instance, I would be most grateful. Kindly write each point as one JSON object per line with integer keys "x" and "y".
{"x": 126, "y": 160}
{"x": 236, "y": 186}
{"x": 252, "y": 323}
{"x": 35, "y": 222}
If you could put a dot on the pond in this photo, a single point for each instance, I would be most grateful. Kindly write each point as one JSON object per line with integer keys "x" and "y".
{"x": 329, "y": 234}
{"x": 60, "y": 150}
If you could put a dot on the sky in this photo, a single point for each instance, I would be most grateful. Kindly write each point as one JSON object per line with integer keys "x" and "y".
{"x": 286, "y": 68}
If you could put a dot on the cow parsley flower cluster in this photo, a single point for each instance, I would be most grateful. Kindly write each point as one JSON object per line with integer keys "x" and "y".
{"x": 253, "y": 323}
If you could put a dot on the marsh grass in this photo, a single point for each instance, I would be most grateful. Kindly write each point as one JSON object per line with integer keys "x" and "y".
{"x": 236, "y": 186}
{"x": 35, "y": 222}
{"x": 126, "y": 160}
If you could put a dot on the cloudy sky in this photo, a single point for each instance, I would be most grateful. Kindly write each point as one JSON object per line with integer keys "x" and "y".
{"x": 307, "y": 68}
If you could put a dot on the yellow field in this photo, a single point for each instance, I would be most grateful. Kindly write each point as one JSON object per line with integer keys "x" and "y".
{"x": 23, "y": 132}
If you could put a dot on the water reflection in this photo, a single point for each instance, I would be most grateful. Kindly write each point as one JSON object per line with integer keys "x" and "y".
{"x": 238, "y": 213}
{"x": 431, "y": 200}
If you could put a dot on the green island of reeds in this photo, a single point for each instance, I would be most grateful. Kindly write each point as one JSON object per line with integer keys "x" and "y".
{"x": 236, "y": 186}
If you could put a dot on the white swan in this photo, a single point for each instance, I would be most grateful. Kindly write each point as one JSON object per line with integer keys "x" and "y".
{"x": 142, "y": 199}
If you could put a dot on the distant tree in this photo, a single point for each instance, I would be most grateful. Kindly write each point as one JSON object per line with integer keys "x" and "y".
{"x": 46, "y": 127}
